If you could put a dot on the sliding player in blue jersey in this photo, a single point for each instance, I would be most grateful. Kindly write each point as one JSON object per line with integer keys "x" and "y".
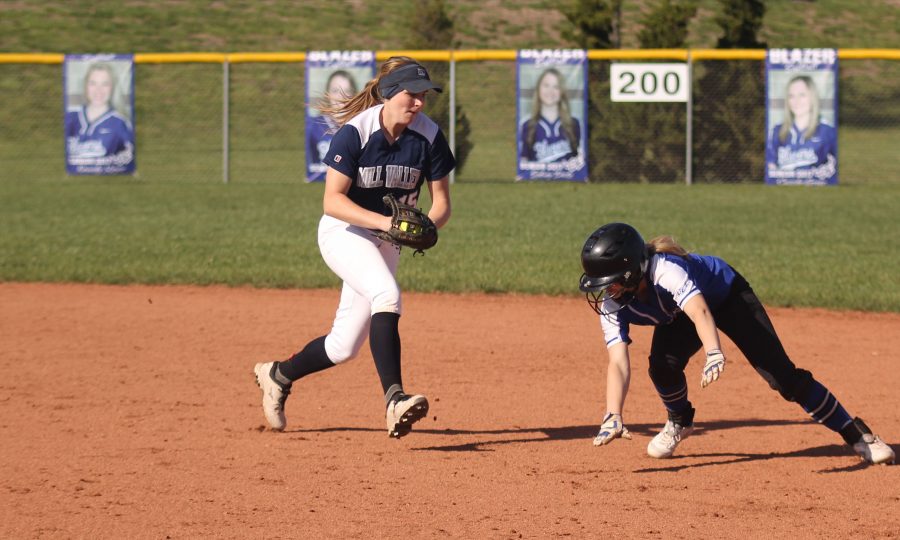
{"x": 688, "y": 298}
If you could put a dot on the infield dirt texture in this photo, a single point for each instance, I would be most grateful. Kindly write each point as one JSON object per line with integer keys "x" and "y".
{"x": 131, "y": 412}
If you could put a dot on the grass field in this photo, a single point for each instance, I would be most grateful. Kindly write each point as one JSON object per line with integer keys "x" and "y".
{"x": 176, "y": 222}
{"x": 828, "y": 247}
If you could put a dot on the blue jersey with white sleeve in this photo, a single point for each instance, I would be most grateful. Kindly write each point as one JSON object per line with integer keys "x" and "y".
{"x": 672, "y": 281}
{"x": 361, "y": 151}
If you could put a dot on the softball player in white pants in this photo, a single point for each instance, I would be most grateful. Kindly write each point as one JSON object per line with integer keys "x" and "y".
{"x": 347, "y": 249}
{"x": 385, "y": 145}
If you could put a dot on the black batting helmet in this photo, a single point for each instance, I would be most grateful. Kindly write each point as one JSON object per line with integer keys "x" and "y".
{"x": 614, "y": 253}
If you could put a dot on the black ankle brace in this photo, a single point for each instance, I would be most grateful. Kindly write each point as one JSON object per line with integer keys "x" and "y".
{"x": 854, "y": 431}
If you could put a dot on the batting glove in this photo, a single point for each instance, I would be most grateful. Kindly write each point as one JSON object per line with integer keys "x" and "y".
{"x": 612, "y": 428}
{"x": 715, "y": 365}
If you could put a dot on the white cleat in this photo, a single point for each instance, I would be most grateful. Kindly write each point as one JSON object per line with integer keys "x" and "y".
{"x": 403, "y": 412}
{"x": 872, "y": 449}
{"x": 274, "y": 395}
{"x": 666, "y": 441}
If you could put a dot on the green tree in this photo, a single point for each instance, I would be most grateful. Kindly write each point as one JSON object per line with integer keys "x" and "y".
{"x": 666, "y": 27}
{"x": 729, "y": 102}
{"x": 639, "y": 142}
{"x": 594, "y": 23}
{"x": 432, "y": 28}
{"x": 740, "y": 21}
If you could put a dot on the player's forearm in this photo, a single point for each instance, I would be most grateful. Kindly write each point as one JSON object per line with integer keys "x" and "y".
{"x": 338, "y": 205}
{"x": 699, "y": 313}
{"x": 439, "y": 212}
{"x": 618, "y": 377}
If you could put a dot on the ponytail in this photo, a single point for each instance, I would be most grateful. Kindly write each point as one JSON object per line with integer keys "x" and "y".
{"x": 666, "y": 244}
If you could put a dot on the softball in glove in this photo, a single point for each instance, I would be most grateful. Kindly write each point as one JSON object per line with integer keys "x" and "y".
{"x": 410, "y": 227}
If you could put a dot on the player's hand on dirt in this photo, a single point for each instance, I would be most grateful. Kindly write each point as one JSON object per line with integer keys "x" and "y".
{"x": 612, "y": 428}
{"x": 715, "y": 365}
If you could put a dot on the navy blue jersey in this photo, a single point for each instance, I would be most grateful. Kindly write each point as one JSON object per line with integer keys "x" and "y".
{"x": 360, "y": 150}
{"x": 550, "y": 142}
{"x": 108, "y": 135}
{"x": 672, "y": 281}
{"x": 798, "y": 152}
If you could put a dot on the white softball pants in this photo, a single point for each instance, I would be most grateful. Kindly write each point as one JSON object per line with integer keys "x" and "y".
{"x": 367, "y": 265}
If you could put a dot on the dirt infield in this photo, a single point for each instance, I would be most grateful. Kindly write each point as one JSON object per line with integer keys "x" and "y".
{"x": 131, "y": 412}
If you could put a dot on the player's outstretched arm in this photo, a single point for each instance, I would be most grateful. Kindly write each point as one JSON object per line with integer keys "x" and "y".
{"x": 618, "y": 377}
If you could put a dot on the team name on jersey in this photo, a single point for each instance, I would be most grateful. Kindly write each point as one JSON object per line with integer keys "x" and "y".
{"x": 788, "y": 157}
{"x": 547, "y": 151}
{"x": 394, "y": 176}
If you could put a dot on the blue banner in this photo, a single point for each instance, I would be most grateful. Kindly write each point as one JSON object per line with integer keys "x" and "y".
{"x": 551, "y": 114}
{"x": 801, "y": 116}
{"x": 98, "y": 92}
{"x": 330, "y": 75}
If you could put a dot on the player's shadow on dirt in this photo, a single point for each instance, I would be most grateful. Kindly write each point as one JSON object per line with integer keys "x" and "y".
{"x": 689, "y": 461}
{"x": 545, "y": 434}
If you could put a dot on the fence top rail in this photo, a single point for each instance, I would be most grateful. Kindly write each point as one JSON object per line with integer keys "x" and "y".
{"x": 454, "y": 55}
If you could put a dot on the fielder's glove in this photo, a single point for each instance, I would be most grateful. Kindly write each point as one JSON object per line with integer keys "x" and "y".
{"x": 715, "y": 365}
{"x": 612, "y": 428}
{"x": 410, "y": 227}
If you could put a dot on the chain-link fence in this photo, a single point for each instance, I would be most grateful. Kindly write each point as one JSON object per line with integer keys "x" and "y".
{"x": 187, "y": 131}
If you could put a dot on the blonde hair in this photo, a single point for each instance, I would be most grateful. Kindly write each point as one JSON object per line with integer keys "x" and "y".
{"x": 348, "y": 107}
{"x": 813, "y": 113}
{"x": 666, "y": 244}
{"x": 565, "y": 115}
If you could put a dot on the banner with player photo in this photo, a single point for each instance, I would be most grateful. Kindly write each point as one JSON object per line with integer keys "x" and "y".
{"x": 98, "y": 96}
{"x": 551, "y": 114}
{"x": 801, "y": 116}
{"x": 330, "y": 75}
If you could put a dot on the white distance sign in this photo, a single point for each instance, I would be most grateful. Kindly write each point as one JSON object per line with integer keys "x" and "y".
{"x": 648, "y": 82}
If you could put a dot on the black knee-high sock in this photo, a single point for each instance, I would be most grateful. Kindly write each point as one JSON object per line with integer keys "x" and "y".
{"x": 311, "y": 359}
{"x": 384, "y": 340}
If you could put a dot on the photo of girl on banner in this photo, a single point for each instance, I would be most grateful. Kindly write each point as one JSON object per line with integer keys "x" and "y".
{"x": 330, "y": 76}
{"x": 801, "y": 116}
{"x": 551, "y": 114}
{"x": 98, "y": 98}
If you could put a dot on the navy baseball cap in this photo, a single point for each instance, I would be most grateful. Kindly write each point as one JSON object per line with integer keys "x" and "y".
{"x": 411, "y": 77}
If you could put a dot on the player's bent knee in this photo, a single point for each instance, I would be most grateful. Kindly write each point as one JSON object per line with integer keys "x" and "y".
{"x": 661, "y": 373}
{"x": 340, "y": 351}
{"x": 387, "y": 302}
{"x": 796, "y": 389}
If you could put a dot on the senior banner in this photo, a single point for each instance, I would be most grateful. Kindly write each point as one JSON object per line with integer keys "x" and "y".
{"x": 551, "y": 114}
{"x": 801, "y": 116}
{"x": 330, "y": 77}
{"x": 98, "y": 92}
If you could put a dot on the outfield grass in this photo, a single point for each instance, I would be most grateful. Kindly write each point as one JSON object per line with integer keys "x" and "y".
{"x": 177, "y": 223}
{"x": 827, "y": 247}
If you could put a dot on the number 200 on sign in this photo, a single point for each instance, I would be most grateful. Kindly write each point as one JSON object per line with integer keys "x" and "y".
{"x": 648, "y": 82}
